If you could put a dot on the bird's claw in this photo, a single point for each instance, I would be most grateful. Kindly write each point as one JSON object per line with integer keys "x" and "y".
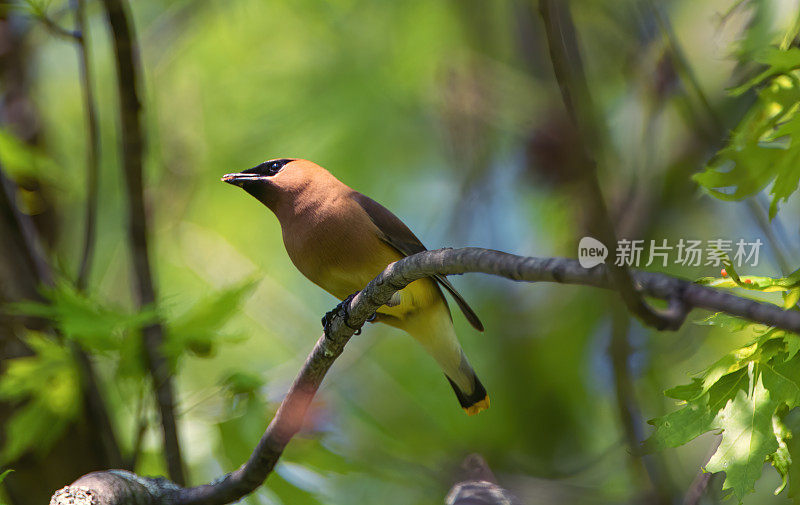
{"x": 340, "y": 308}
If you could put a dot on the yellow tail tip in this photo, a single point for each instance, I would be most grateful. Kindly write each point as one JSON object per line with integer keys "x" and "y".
{"x": 478, "y": 406}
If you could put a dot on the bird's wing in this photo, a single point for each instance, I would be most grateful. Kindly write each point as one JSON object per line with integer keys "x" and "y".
{"x": 395, "y": 233}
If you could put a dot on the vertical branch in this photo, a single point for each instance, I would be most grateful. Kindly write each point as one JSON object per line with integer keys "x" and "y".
{"x": 92, "y": 144}
{"x": 127, "y": 65}
{"x": 570, "y": 76}
{"x": 619, "y": 351}
{"x": 34, "y": 251}
{"x": 107, "y": 436}
{"x": 627, "y": 406}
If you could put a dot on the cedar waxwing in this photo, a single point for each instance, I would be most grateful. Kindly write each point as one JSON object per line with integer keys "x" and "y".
{"x": 340, "y": 240}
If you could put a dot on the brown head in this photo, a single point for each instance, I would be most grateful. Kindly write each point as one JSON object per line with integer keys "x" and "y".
{"x": 280, "y": 182}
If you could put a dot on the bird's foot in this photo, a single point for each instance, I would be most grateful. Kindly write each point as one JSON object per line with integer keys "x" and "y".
{"x": 342, "y": 308}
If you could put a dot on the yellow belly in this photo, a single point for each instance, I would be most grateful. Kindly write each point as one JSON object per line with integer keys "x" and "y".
{"x": 417, "y": 296}
{"x": 347, "y": 271}
{"x": 420, "y": 295}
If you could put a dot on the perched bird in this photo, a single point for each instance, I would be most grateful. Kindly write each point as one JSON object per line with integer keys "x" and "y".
{"x": 340, "y": 240}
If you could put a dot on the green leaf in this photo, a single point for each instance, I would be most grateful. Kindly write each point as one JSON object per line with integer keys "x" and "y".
{"x": 765, "y": 147}
{"x": 686, "y": 392}
{"x": 782, "y": 379}
{"x": 792, "y": 341}
{"x": 752, "y": 433}
{"x": 241, "y": 430}
{"x": 781, "y": 460}
{"x": 725, "y": 321}
{"x": 97, "y": 327}
{"x": 21, "y": 159}
{"x": 777, "y": 61}
{"x": 46, "y": 388}
{"x": 238, "y": 383}
{"x": 751, "y": 282}
{"x": 791, "y": 298}
{"x": 747, "y": 439}
{"x": 3, "y": 477}
{"x": 198, "y": 329}
{"x": 698, "y": 415}
{"x": 760, "y": 351}
{"x": 739, "y": 172}
{"x": 752, "y": 413}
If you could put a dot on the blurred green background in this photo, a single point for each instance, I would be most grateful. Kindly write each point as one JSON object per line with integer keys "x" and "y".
{"x": 447, "y": 113}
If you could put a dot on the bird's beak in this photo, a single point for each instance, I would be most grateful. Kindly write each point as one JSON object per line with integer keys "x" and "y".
{"x": 238, "y": 179}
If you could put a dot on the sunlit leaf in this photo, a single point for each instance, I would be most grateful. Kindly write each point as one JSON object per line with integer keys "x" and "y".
{"x": 726, "y": 321}
{"x": 781, "y": 460}
{"x": 745, "y": 394}
{"x": 791, "y": 298}
{"x": 698, "y": 415}
{"x": 747, "y": 439}
{"x": 777, "y": 61}
{"x": 764, "y": 284}
{"x": 764, "y": 148}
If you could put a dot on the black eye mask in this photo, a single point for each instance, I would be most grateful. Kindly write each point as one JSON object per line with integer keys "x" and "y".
{"x": 269, "y": 168}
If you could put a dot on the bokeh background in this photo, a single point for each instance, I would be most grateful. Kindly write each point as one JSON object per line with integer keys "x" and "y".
{"x": 447, "y": 113}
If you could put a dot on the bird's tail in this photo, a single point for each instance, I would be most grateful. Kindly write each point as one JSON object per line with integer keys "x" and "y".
{"x": 473, "y": 402}
{"x": 434, "y": 330}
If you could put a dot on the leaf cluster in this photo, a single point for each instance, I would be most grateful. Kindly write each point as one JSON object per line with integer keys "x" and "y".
{"x": 764, "y": 149}
{"x": 745, "y": 396}
{"x": 46, "y": 386}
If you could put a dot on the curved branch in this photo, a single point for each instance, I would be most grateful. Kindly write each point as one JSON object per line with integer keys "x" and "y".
{"x": 289, "y": 418}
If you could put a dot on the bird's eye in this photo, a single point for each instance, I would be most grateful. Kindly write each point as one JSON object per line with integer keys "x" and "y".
{"x": 270, "y": 168}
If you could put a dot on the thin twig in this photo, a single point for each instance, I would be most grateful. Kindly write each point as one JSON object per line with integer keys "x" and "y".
{"x": 127, "y": 64}
{"x": 40, "y": 13}
{"x": 110, "y": 487}
{"x": 702, "y": 481}
{"x": 681, "y": 62}
{"x": 92, "y": 145}
{"x": 619, "y": 351}
{"x": 56, "y": 29}
{"x": 140, "y": 430}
